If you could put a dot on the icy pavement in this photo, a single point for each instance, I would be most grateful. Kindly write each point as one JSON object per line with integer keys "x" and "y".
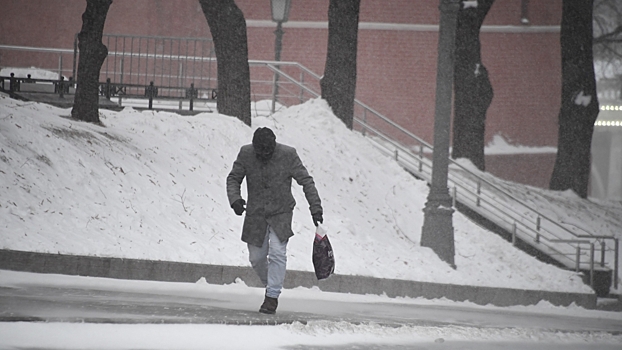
{"x": 54, "y": 304}
{"x": 69, "y": 312}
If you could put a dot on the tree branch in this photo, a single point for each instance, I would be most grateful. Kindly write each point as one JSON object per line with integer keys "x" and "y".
{"x": 607, "y": 36}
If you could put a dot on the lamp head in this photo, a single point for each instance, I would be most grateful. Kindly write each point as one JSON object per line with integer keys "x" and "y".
{"x": 280, "y": 10}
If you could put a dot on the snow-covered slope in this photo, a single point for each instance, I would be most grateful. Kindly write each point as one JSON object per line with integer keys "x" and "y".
{"x": 151, "y": 185}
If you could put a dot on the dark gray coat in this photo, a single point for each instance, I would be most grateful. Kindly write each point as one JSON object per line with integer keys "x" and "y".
{"x": 269, "y": 185}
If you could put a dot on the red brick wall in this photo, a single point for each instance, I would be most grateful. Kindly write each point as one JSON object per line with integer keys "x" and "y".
{"x": 532, "y": 169}
{"x": 525, "y": 73}
{"x": 396, "y": 68}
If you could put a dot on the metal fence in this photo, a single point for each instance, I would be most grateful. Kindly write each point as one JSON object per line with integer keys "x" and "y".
{"x": 170, "y": 63}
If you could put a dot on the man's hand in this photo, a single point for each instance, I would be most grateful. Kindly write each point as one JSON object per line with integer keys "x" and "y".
{"x": 317, "y": 217}
{"x": 238, "y": 206}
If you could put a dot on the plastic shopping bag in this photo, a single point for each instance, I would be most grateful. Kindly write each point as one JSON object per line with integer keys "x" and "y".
{"x": 323, "y": 258}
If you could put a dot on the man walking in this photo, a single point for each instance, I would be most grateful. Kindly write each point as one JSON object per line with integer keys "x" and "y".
{"x": 269, "y": 168}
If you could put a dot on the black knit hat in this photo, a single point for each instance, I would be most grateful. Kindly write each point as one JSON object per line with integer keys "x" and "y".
{"x": 263, "y": 137}
{"x": 264, "y": 142}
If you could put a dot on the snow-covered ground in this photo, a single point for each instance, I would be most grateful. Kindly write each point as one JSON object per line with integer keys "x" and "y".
{"x": 499, "y": 145}
{"x": 150, "y": 185}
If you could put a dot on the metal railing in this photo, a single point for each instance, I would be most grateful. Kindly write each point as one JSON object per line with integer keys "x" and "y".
{"x": 472, "y": 188}
{"x": 469, "y": 187}
{"x": 496, "y": 204}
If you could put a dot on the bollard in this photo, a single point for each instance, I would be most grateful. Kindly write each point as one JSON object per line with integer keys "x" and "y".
{"x": 191, "y": 94}
{"x": 61, "y": 87}
{"x": 191, "y": 101}
{"x": 150, "y": 95}
{"x": 151, "y": 91}
{"x": 70, "y": 84}
{"x": 107, "y": 88}
{"x": 13, "y": 83}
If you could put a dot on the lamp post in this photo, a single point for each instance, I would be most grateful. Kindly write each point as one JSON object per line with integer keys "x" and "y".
{"x": 437, "y": 231}
{"x": 280, "y": 14}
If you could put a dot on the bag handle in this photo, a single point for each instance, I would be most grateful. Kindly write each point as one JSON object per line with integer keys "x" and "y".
{"x": 320, "y": 232}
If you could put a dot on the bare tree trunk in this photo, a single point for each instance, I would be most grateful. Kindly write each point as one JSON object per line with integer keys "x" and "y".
{"x": 472, "y": 88}
{"x": 92, "y": 55}
{"x": 228, "y": 28}
{"x": 339, "y": 82}
{"x": 579, "y": 103}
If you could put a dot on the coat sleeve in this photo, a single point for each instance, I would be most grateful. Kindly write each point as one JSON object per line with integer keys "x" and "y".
{"x": 234, "y": 179}
{"x": 302, "y": 177}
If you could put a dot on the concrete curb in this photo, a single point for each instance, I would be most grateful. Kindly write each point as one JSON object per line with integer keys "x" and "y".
{"x": 167, "y": 271}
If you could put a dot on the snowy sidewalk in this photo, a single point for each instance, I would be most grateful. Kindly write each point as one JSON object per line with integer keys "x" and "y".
{"x": 57, "y": 298}
{"x": 70, "y": 312}
{"x": 134, "y": 269}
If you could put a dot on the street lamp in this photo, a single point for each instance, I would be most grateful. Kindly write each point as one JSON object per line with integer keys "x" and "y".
{"x": 437, "y": 231}
{"x": 280, "y": 14}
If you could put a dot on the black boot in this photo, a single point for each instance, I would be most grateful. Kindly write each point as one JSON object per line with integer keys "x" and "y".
{"x": 269, "y": 305}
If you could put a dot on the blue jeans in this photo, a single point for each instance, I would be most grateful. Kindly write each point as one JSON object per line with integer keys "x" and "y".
{"x": 269, "y": 262}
